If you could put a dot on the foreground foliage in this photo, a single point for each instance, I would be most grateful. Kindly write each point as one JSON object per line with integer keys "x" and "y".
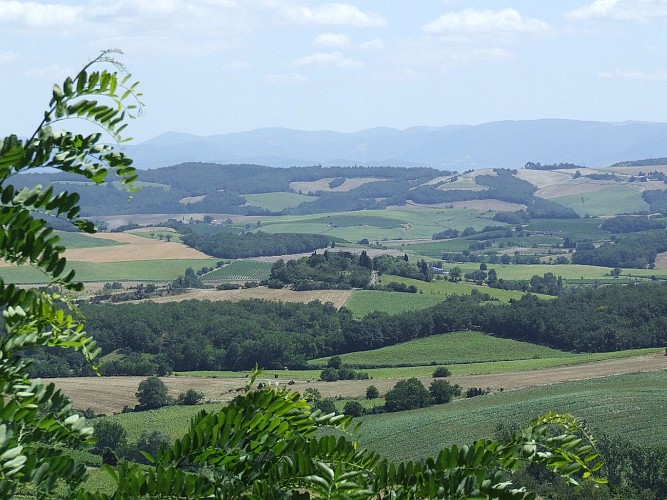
{"x": 266, "y": 443}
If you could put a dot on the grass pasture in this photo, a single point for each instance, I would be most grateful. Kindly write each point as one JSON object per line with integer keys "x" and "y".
{"x": 572, "y": 272}
{"x": 631, "y": 406}
{"x": 139, "y": 270}
{"x": 240, "y": 270}
{"x": 609, "y": 201}
{"x": 444, "y": 288}
{"x": 364, "y": 302}
{"x": 390, "y": 224}
{"x": 275, "y": 202}
{"x": 448, "y": 349}
{"x": 576, "y": 229}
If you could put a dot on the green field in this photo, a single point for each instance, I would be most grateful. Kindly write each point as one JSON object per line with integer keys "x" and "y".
{"x": 159, "y": 233}
{"x": 445, "y": 288}
{"x": 631, "y": 406}
{"x": 436, "y": 248}
{"x": 628, "y": 405}
{"x": 373, "y": 225}
{"x": 364, "y": 302}
{"x": 609, "y": 201}
{"x": 275, "y": 202}
{"x": 426, "y": 371}
{"x": 137, "y": 270}
{"x": 576, "y": 229}
{"x": 249, "y": 270}
{"x": 81, "y": 240}
{"x": 172, "y": 421}
{"x": 567, "y": 271}
{"x": 448, "y": 349}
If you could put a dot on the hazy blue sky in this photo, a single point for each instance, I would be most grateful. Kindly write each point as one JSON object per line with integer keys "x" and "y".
{"x": 217, "y": 66}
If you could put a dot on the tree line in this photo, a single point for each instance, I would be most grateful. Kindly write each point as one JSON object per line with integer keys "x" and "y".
{"x": 637, "y": 251}
{"x": 200, "y": 335}
{"x": 228, "y": 245}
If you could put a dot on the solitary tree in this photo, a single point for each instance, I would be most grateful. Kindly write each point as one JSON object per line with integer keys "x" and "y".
{"x": 407, "y": 395}
{"x": 152, "y": 394}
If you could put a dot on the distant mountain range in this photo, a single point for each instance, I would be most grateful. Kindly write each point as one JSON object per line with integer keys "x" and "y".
{"x": 504, "y": 144}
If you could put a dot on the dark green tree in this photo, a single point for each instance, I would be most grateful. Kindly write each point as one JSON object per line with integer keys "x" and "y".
{"x": 443, "y": 392}
{"x": 110, "y": 435}
{"x": 353, "y": 409}
{"x": 152, "y": 394}
{"x": 372, "y": 392}
{"x": 407, "y": 395}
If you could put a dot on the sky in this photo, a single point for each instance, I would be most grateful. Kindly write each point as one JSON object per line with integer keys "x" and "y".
{"x": 211, "y": 67}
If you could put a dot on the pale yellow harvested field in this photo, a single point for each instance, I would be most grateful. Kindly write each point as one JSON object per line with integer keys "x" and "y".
{"x": 133, "y": 248}
{"x": 554, "y": 191}
{"x": 337, "y": 297}
{"x": 637, "y": 170}
{"x": 323, "y": 184}
{"x": 110, "y": 394}
{"x": 438, "y": 180}
{"x": 191, "y": 199}
{"x": 544, "y": 178}
{"x": 493, "y": 205}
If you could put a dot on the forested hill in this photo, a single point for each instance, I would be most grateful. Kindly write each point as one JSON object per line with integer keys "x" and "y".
{"x": 233, "y": 189}
{"x": 213, "y": 188}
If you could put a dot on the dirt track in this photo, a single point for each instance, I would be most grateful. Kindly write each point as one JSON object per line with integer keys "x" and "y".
{"x": 110, "y": 394}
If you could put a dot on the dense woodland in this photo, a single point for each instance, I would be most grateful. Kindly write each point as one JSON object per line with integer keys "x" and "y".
{"x": 637, "y": 251}
{"x": 228, "y": 245}
{"x": 343, "y": 270}
{"x": 223, "y": 186}
{"x": 196, "y": 335}
{"x": 631, "y": 224}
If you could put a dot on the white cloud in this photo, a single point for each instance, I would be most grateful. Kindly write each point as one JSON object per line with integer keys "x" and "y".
{"x": 640, "y": 11}
{"x": 39, "y": 15}
{"x": 53, "y": 72}
{"x": 144, "y": 26}
{"x": 634, "y": 74}
{"x": 336, "y": 14}
{"x": 289, "y": 78}
{"x": 374, "y": 44}
{"x": 332, "y": 40}
{"x": 8, "y": 57}
{"x": 335, "y": 59}
{"x": 475, "y": 22}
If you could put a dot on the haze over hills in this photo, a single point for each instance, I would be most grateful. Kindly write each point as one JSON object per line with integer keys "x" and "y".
{"x": 505, "y": 144}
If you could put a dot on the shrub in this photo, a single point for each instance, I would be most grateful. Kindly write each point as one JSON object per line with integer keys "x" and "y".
{"x": 110, "y": 435}
{"x": 441, "y": 371}
{"x": 443, "y": 392}
{"x": 372, "y": 392}
{"x": 189, "y": 398}
{"x": 354, "y": 409}
{"x": 326, "y": 405}
{"x": 475, "y": 391}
